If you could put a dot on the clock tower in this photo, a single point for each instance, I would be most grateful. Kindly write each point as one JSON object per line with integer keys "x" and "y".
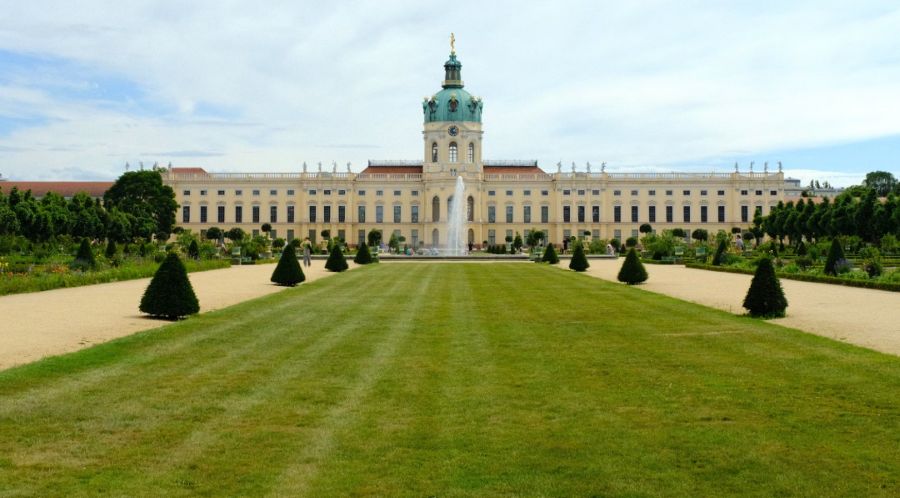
{"x": 452, "y": 130}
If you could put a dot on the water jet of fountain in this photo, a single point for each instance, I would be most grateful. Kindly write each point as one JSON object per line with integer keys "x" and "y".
{"x": 456, "y": 221}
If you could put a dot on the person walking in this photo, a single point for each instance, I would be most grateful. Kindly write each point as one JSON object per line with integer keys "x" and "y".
{"x": 307, "y": 259}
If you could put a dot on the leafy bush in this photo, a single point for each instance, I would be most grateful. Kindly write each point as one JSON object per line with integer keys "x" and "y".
{"x": 801, "y": 249}
{"x": 871, "y": 261}
{"x": 597, "y": 246}
{"x": 84, "y": 259}
{"x": 765, "y": 298}
{"x": 631, "y": 242}
{"x": 288, "y": 271}
{"x": 170, "y": 294}
{"x": 363, "y": 255}
{"x": 336, "y": 261}
{"x": 110, "y": 249}
{"x": 550, "y": 255}
{"x": 194, "y": 250}
{"x": 278, "y": 243}
{"x": 803, "y": 262}
{"x": 632, "y": 271}
{"x": 579, "y": 261}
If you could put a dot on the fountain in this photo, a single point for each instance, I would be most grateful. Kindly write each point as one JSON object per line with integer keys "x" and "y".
{"x": 456, "y": 221}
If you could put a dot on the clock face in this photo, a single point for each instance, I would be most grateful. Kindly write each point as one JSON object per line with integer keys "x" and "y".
{"x": 453, "y": 131}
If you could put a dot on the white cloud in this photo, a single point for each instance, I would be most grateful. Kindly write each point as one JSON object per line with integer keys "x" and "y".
{"x": 264, "y": 88}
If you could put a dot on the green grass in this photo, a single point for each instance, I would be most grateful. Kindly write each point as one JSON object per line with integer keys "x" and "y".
{"x": 17, "y": 283}
{"x": 456, "y": 380}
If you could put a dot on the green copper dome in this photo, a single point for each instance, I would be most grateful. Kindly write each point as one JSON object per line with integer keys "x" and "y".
{"x": 453, "y": 103}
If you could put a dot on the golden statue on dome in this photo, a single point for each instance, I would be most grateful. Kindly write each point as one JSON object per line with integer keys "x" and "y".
{"x": 452, "y": 44}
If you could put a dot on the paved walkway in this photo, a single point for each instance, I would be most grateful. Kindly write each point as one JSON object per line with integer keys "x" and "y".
{"x": 40, "y": 324}
{"x": 865, "y": 317}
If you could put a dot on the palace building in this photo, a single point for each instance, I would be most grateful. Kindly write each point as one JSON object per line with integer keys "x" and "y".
{"x": 502, "y": 197}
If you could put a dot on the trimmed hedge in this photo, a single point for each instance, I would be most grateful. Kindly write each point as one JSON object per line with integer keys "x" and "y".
{"x": 288, "y": 271}
{"x": 579, "y": 261}
{"x": 170, "y": 294}
{"x": 363, "y": 255}
{"x": 865, "y": 284}
{"x": 336, "y": 261}
{"x": 550, "y": 255}
{"x": 632, "y": 271}
{"x": 765, "y": 298}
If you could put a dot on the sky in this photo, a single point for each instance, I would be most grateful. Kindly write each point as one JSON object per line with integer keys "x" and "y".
{"x": 265, "y": 86}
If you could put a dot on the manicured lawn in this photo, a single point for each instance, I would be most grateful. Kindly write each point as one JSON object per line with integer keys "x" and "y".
{"x": 456, "y": 380}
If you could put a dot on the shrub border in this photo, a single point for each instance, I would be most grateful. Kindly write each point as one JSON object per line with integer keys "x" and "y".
{"x": 866, "y": 284}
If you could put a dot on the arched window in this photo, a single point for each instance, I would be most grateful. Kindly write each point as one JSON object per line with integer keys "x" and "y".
{"x": 435, "y": 239}
{"x": 453, "y": 154}
{"x": 470, "y": 155}
{"x": 470, "y": 209}
{"x": 435, "y": 209}
{"x": 434, "y": 152}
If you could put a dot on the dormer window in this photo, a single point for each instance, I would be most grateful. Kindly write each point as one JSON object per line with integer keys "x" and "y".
{"x": 453, "y": 152}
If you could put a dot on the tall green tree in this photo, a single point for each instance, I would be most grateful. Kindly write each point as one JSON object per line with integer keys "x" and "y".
{"x": 882, "y": 182}
{"x": 142, "y": 195}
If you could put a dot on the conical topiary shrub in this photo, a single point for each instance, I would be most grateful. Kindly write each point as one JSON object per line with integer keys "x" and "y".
{"x": 288, "y": 271}
{"x": 550, "y": 255}
{"x": 170, "y": 294}
{"x": 632, "y": 271}
{"x": 363, "y": 255}
{"x": 835, "y": 254}
{"x": 194, "y": 250}
{"x": 336, "y": 261}
{"x": 765, "y": 298}
{"x": 720, "y": 253}
{"x": 110, "y": 249}
{"x": 84, "y": 258}
{"x": 801, "y": 249}
{"x": 579, "y": 260}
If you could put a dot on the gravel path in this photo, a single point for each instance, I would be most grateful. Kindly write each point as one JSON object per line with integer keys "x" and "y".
{"x": 40, "y": 324}
{"x": 865, "y": 317}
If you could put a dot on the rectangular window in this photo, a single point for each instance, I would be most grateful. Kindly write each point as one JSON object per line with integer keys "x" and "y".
{"x": 360, "y": 214}
{"x": 668, "y": 192}
{"x": 759, "y": 192}
{"x": 360, "y": 237}
{"x": 595, "y": 214}
{"x": 414, "y": 214}
{"x": 342, "y": 192}
{"x": 185, "y": 214}
{"x": 634, "y": 214}
{"x": 492, "y": 214}
{"x": 492, "y": 193}
{"x": 290, "y": 192}
{"x": 397, "y": 193}
{"x": 312, "y": 191}
{"x": 595, "y": 192}
{"x": 326, "y": 214}
{"x": 634, "y": 192}
{"x": 720, "y": 192}
{"x": 342, "y": 214}
{"x": 238, "y": 192}
{"x": 526, "y": 214}
{"x": 186, "y": 192}
{"x": 745, "y": 214}
{"x": 721, "y": 214}
{"x": 685, "y": 192}
{"x": 773, "y": 192}
{"x": 509, "y": 193}
{"x": 203, "y": 192}
{"x": 273, "y": 234}
{"x": 744, "y": 192}
{"x": 545, "y": 192}
{"x": 290, "y": 214}
{"x": 703, "y": 214}
{"x": 492, "y": 236}
{"x": 256, "y": 192}
{"x": 651, "y": 214}
{"x": 651, "y": 192}
{"x": 687, "y": 214}
{"x": 327, "y": 191}
{"x": 202, "y": 214}
{"x": 526, "y": 192}
{"x": 312, "y": 214}
{"x": 580, "y": 214}
{"x": 273, "y": 192}
{"x": 290, "y": 235}
{"x": 545, "y": 214}
{"x": 669, "y": 214}
{"x": 581, "y": 192}
{"x": 273, "y": 214}
{"x": 509, "y": 214}
{"x": 255, "y": 214}
{"x": 617, "y": 193}
{"x": 702, "y": 192}
{"x": 220, "y": 192}
{"x": 397, "y": 211}
{"x": 567, "y": 214}
{"x": 617, "y": 214}
{"x": 379, "y": 193}
{"x": 311, "y": 235}
{"x": 220, "y": 214}
{"x": 379, "y": 214}
{"x": 567, "y": 192}
{"x": 239, "y": 214}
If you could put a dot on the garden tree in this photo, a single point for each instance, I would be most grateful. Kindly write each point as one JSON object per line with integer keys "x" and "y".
{"x": 765, "y": 299}
{"x": 865, "y": 217}
{"x": 56, "y": 210}
{"x": 84, "y": 258}
{"x": 735, "y": 230}
{"x": 266, "y": 228}
{"x": 142, "y": 195}
{"x": 823, "y": 222}
{"x": 194, "y": 250}
{"x": 517, "y": 242}
{"x": 9, "y": 224}
{"x": 374, "y": 237}
{"x": 843, "y": 219}
{"x": 881, "y": 183}
{"x": 645, "y": 228}
{"x": 615, "y": 244}
{"x": 801, "y": 249}
{"x": 678, "y": 232}
{"x": 550, "y": 255}
{"x": 235, "y": 235}
{"x": 325, "y": 234}
{"x": 394, "y": 242}
{"x": 720, "y": 253}
{"x": 802, "y": 228}
{"x": 336, "y": 261}
{"x": 835, "y": 254}
{"x": 110, "y": 249}
{"x": 118, "y": 226}
{"x": 700, "y": 235}
{"x": 579, "y": 261}
{"x": 871, "y": 261}
{"x": 631, "y": 242}
{"x": 538, "y": 236}
{"x": 85, "y": 217}
{"x": 632, "y": 271}
{"x": 214, "y": 233}
{"x": 363, "y": 255}
{"x": 288, "y": 271}
{"x": 278, "y": 243}
{"x": 170, "y": 294}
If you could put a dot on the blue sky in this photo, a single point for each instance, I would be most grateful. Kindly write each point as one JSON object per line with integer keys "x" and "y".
{"x": 642, "y": 85}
